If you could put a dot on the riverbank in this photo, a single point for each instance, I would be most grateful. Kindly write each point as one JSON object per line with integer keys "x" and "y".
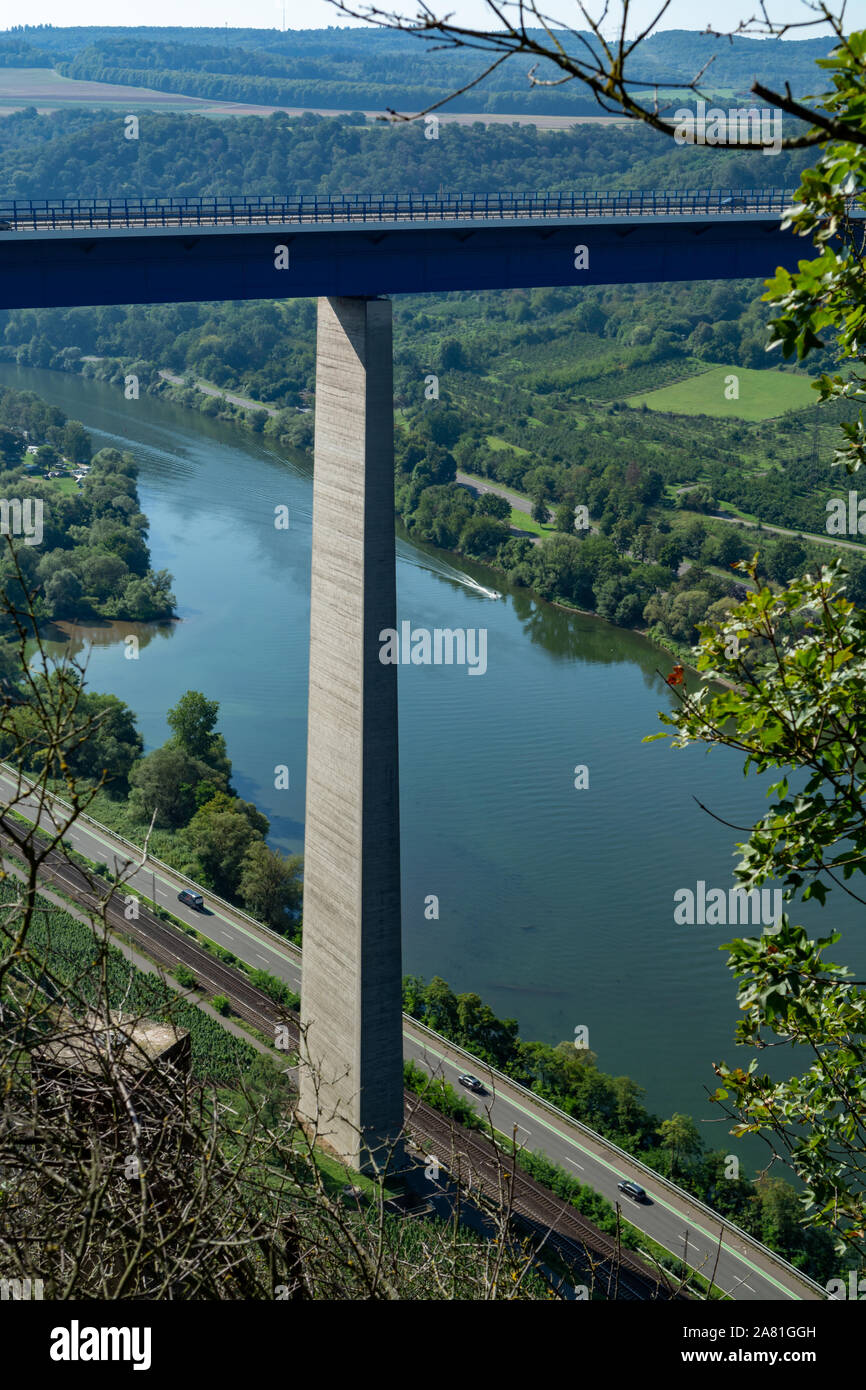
{"x": 490, "y": 819}
{"x": 269, "y": 421}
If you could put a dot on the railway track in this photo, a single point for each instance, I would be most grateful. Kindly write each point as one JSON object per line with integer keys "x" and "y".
{"x": 468, "y": 1156}
{"x": 474, "y": 1160}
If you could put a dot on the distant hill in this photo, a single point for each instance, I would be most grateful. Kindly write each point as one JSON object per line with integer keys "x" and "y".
{"x": 370, "y": 69}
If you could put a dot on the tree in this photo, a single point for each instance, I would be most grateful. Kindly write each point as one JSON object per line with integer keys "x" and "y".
{"x": 482, "y": 536}
{"x": 103, "y": 575}
{"x": 164, "y": 783}
{"x": 12, "y": 445}
{"x": 680, "y": 1140}
{"x": 785, "y": 560}
{"x": 622, "y": 535}
{"x": 147, "y": 597}
{"x": 440, "y": 1006}
{"x": 192, "y": 721}
{"x": 269, "y": 885}
{"x": 75, "y": 443}
{"x": 491, "y": 504}
{"x": 668, "y": 551}
{"x": 113, "y": 746}
{"x": 482, "y": 1033}
{"x": 692, "y": 538}
{"x": 220, "y": 834}
{"x": 540, "y": 508}
{"x": 796, "y": 666}
{"x": 453, "y": 356}
{"x": 63, "y": 594}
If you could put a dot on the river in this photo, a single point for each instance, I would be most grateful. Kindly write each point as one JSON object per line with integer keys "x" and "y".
{"x": 555, "y": 904}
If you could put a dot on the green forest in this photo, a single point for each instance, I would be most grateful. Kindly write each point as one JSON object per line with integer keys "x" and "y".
{"x": 90, "y": 559}
{"x": 79, "y": 154}
{"x": 376, "y": 70}
{"x": 180, "y": 793}
{"x": 537, "y": 389}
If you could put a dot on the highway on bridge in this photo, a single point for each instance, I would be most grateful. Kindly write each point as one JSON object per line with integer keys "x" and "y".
{"x": 671, "y": 1218}
{"x": 180, "y": 250}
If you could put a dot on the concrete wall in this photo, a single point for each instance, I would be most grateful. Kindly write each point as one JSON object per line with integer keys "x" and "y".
{"x": 350, "y": 1000}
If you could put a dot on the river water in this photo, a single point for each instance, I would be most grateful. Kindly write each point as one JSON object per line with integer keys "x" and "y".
{"x": 555, "y": 904}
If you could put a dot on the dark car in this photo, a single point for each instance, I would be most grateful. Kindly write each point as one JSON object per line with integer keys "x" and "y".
{"x": 5, "y": 226}
{"x": 735, "y": 202}
{"x": 471, "y": 1083}
{"x": 633, "y": 1190}
{"x": 191, "y": 899}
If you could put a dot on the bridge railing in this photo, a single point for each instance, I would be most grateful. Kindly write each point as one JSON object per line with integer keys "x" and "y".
{"x": 39, "y": 214}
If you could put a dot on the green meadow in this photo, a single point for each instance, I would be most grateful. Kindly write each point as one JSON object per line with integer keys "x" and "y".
{"x": 761, "y": 394}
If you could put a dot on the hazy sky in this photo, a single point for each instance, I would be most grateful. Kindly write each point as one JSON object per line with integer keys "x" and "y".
{"x": 316, "y": 14}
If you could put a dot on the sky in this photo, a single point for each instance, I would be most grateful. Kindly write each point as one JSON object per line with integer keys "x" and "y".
{"x": 318, "y": 14}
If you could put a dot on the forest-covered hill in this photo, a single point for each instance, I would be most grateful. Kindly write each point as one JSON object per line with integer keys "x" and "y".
{"x": 370, "y": 69}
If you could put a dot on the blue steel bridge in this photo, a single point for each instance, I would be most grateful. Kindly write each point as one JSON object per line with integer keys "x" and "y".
{"x": 75, "y": 251}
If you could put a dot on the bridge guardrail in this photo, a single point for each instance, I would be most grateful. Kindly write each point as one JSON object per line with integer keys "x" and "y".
{"x": 71, "y": 213}
{"x": 657, "y": 1178}
{"x": 500, "y": 1077}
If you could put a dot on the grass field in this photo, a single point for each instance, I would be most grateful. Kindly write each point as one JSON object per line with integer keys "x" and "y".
{"x": 524, "y": 521}
{"x": 762, "y": 395}
{"x": 43, "y": 87}
{"x": 66, "y": 485}
{"x": 494, "y": 442}
{"x": 46, "y": 89}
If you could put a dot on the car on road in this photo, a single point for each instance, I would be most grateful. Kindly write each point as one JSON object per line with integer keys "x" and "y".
{"x": 633, "y": 1190}
{"x": 191, "y": 899}
{"x": 472, "y": 1083}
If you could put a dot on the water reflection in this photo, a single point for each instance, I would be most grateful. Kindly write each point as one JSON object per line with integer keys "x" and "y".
{"x": 67, "y": 640}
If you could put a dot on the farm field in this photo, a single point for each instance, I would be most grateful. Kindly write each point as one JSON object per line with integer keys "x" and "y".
{"x": 46, "y": 90}
{"x": 762, "y": 394}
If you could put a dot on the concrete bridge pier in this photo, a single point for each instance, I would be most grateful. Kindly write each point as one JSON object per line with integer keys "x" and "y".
{"x": 351, "y": 1089}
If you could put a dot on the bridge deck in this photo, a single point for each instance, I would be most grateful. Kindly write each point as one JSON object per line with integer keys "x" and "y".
{"x": 169, "y": 250}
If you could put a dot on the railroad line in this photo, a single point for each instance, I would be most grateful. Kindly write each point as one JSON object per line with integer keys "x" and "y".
{"x": 469, "y": 1157}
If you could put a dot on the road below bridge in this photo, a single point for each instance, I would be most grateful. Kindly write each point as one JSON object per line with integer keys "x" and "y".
{"x": 671, "y": 1217}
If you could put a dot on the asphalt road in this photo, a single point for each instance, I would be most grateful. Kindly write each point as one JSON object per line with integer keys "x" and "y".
{"x": 674, "y": 1221}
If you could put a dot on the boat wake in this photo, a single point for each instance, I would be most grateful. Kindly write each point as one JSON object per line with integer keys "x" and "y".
{"x": 443, "y": 570}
